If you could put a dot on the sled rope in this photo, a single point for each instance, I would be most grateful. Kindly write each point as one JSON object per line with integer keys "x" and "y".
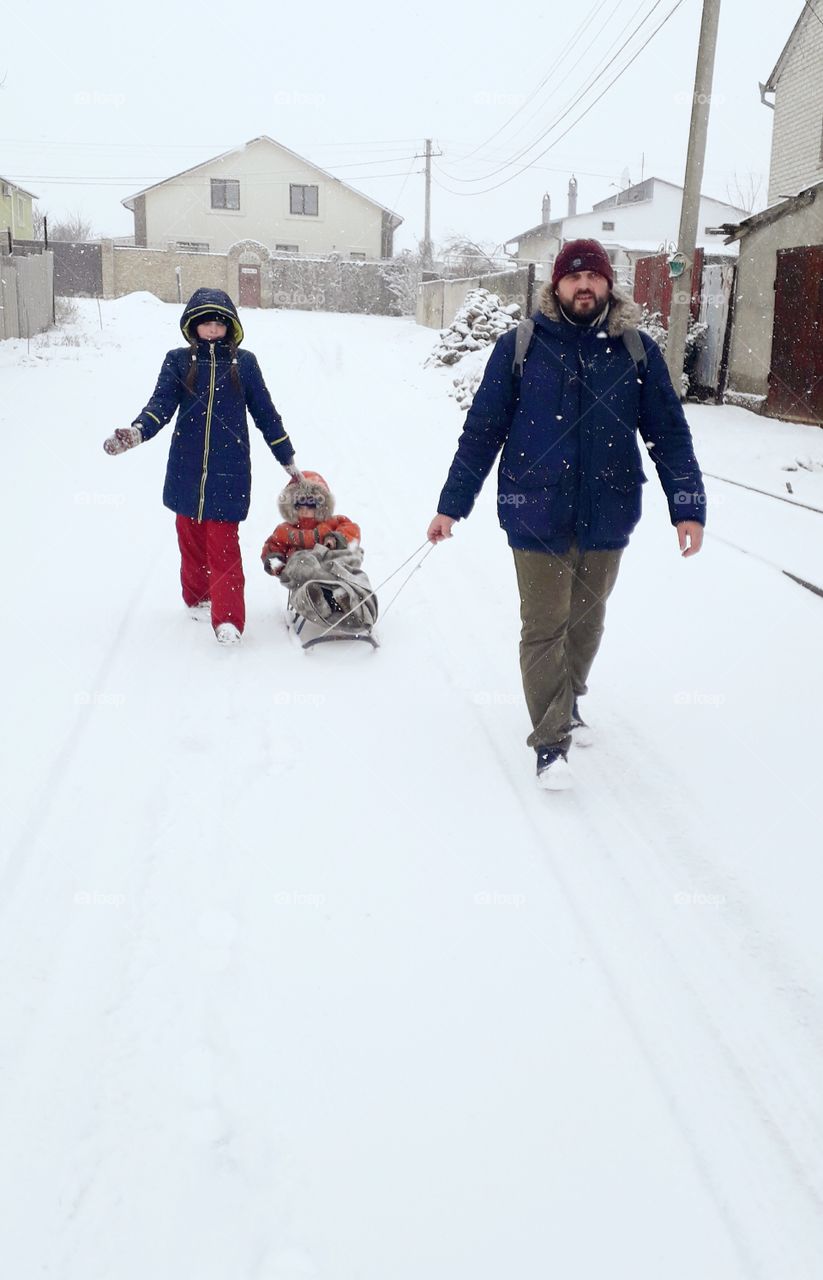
{"x": 382, "y": 584}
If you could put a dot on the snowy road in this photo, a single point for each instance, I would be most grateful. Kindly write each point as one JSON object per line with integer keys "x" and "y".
{"x": 299, "y": 974}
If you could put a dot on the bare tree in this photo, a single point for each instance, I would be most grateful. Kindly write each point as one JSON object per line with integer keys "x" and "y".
{"x": 38, "y": 222}
{"x": 463, "y": 257}
{"x": 73, "y": 227}
{"x": 744, "y": 190}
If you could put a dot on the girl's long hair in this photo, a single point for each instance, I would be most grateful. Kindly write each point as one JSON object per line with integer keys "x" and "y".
{"x": 191, "y": 376}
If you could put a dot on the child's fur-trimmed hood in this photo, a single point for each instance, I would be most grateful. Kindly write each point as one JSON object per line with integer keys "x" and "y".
{"x": 312, "y": 485}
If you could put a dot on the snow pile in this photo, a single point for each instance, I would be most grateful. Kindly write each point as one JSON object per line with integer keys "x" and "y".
{"x": 464, "y": 387}
{"x": 479, "y": 322}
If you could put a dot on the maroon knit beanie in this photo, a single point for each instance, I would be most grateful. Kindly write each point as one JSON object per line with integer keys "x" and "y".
{"x": 582, "y": 255}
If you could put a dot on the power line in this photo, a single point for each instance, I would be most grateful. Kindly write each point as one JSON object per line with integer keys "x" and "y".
{"x": 566, "y": 49}
{"x": 567, "y": 131}
{"x": 576, "y": 99}
{"x": 593, "y": 75}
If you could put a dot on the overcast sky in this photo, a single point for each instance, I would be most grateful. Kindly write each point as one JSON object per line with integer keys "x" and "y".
{"x": 99, "y": 102}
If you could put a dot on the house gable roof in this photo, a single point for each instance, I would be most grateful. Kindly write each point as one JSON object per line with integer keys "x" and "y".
{"x": 17, "y": 187}
{"x": 771, "y": 83}
{"x": 773, "y": 213}
{"x": 129, "y": 202}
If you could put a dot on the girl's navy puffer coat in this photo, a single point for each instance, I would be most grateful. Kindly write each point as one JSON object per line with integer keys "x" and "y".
{"x": 209, "y": 469}
{"x": 571, "y": 468}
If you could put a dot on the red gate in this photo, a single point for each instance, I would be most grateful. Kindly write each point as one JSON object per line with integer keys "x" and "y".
{"x": 796, "y": 374}
{"x": 249, "y": 286}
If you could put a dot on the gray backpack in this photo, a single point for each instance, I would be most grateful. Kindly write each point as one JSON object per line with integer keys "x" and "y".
{"x": 525, "y": 333}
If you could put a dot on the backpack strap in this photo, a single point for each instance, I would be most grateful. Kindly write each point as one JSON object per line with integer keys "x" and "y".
{"x": 522, "y": 342}
{"x": 635, "y": 348}
{"x": 525, "y": 333}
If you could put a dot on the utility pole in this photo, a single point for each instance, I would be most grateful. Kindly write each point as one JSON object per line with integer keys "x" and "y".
{"x": 427, "y": 218}
{"x": 690, "y": 209}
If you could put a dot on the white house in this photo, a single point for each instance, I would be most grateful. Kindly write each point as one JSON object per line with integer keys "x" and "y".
{"x": 263, "y": 192}
{"x": 797, "y": 85}
{"x": 642, "y": 219}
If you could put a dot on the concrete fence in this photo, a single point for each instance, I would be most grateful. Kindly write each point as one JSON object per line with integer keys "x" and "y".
{"x": 439, "y": 300}
{"x": 26, "y": 294}
{"x": 252, "y": 275}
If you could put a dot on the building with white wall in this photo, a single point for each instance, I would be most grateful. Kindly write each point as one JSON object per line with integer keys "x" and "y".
{"x": 266, "y": 193}
{"x": 640, "y": 220}
{"x": 797, "y": 85}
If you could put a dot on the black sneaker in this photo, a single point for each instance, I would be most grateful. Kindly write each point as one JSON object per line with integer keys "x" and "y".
{"x": 553, "y": 772}
{"x": 582, "y": 735}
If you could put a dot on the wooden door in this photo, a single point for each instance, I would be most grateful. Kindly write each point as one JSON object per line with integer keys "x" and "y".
{"x": 796, "y": 374}
{"x": 249, "y": 286}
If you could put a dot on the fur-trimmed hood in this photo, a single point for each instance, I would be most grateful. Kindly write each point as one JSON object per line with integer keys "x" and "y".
{"x": 210, "y": 302}
{"x": 624, "y": 313}
{"x": 312, "y": 485}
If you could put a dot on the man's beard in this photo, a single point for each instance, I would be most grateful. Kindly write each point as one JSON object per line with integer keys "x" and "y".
{"x": 585, "y": 305}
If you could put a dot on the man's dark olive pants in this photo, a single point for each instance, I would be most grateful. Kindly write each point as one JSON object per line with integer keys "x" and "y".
{"x": 563, "y": 610}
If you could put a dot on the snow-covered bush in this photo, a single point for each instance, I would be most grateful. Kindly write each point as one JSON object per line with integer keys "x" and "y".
{"x": 479, "y": 322}
{"x": 402, "y": 276}
{"x": 652, "y": 324}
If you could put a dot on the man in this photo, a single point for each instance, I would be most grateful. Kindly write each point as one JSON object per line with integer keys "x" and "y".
{"x": 570, "y": 477}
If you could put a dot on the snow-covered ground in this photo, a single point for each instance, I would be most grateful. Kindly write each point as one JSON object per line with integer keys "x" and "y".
{"x": 300, "y": 976}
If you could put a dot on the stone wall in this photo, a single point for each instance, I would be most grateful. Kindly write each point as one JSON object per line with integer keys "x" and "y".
{"x": 287, "y": 280}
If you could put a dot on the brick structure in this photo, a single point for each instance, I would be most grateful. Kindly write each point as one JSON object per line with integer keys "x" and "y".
{"x": 797, "y": 85}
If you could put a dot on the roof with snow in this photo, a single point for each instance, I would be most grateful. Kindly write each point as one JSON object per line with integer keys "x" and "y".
{"x": 129, "y": 202}
{"x": 644, "y": 190}
{"x": 771, "y": 83}
{"x": 736, "y": 231}
{"x": 553, "y": 228}
{"x": 17, "y": 187}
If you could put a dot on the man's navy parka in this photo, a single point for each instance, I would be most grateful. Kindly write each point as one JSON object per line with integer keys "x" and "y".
{"x": 571, "y": 468}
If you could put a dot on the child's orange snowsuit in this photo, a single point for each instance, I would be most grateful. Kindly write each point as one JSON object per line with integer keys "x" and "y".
{"x": 307, "y": 527}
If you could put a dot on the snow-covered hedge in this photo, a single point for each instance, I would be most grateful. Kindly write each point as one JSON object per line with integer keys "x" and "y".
{"x": 479, "y": 322}
{"x": 652, "y": 324}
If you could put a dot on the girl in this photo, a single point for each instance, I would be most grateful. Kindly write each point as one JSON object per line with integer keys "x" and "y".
{"x": 208, "y": 479}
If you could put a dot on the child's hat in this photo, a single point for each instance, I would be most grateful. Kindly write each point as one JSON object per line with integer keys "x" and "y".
{"x": 312, "y": 491}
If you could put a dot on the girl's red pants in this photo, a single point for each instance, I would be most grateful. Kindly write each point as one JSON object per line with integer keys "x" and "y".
{"x": 211, "y": 568}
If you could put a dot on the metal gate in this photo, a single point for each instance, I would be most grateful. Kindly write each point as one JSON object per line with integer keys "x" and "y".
{"x": 796, "y": 374}
{"x": 249, "y": 286}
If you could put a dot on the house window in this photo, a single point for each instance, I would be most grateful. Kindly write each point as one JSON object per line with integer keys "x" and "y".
{"x": 361, "y": 257}
{"x": 287, "y": 248}
{"x": 607, "y": 226}
{"x": 225, "y": 193}
{"x": 303, "y": 199}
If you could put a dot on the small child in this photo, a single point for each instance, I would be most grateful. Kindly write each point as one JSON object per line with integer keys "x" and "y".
{"x": 307, "y": 508}
{"x": 210, "y": 384}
